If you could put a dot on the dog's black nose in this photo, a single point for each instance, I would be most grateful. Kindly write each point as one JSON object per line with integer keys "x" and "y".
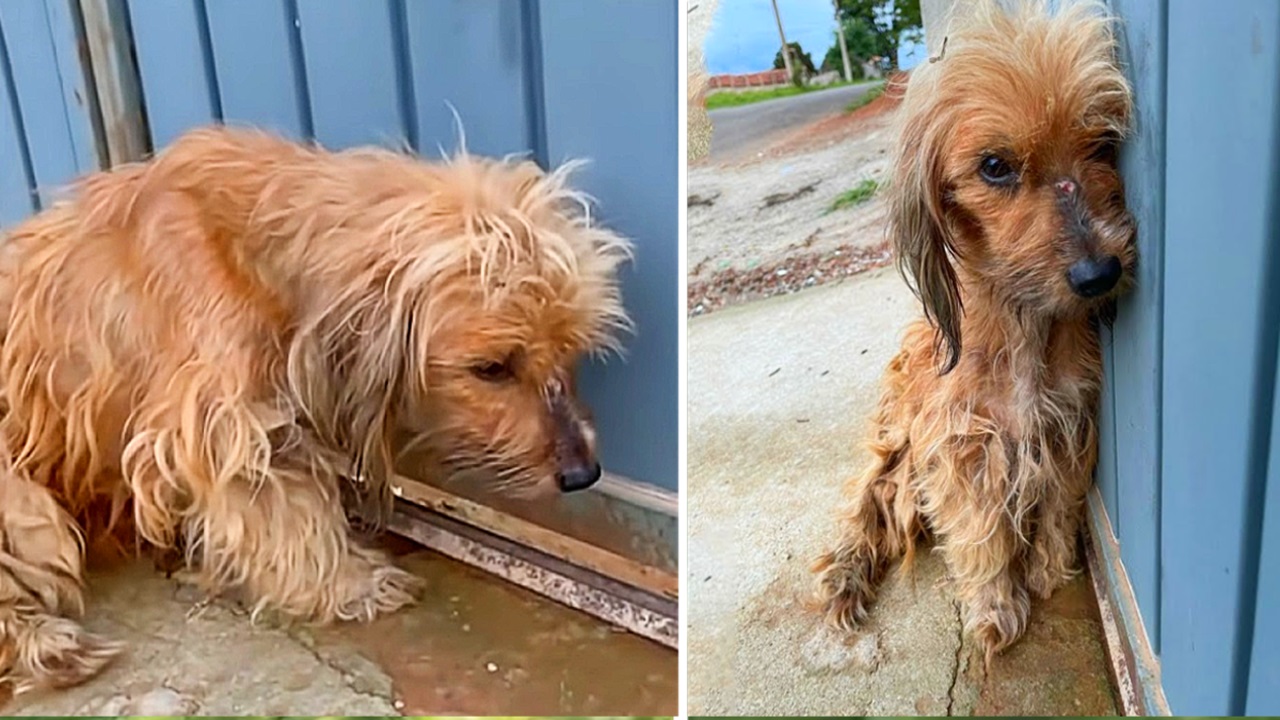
{"x": 1092, "y": 277}
{"x": 578, "y": 478}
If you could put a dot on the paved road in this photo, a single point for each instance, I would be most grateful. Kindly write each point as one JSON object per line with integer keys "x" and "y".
{"x": 739, "y": 130}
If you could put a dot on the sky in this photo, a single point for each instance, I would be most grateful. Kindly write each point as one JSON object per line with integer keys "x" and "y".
{"x": 744, "y": 36}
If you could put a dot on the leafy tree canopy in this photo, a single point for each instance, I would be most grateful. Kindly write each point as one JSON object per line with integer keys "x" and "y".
{"x": 799, "y": 57}
{"x": 888, "y": 21}
{"x": 862, "y": 42}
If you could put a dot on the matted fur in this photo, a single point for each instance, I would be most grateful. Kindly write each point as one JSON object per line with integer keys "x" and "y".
{"x": 985, "y": 436}
{"x": 197, "y": 349}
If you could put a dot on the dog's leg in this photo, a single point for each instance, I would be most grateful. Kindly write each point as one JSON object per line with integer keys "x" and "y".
{"x": 41, "y": 571}
{"x": 1052, "y": 561}
{"x": 877, "y": 525}
{"x": 985, "y": 564}
{"x": 967, "y": 506}
{"x": 997, "y": 608}
{"x": 284, "y": 540}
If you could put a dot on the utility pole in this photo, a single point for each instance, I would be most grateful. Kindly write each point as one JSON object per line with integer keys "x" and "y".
{"x": 786, "y": 51}
{"x": 844, "y": 48}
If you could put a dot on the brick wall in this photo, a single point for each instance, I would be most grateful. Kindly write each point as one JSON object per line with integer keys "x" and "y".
{"x": 759, "y": 79}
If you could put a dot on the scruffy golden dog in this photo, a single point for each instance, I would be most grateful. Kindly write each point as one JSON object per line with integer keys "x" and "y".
{"x": 1009, "y": 222}
{"x": 200, "y": 348}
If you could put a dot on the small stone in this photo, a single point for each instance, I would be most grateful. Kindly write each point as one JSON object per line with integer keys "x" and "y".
{"x": 399, "y": 704}
{"x": 491, "y": 667}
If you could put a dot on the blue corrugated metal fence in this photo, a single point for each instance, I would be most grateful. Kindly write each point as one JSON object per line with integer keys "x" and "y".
{"x": 1190, "y": 460}
{"x": 46, "y": 132}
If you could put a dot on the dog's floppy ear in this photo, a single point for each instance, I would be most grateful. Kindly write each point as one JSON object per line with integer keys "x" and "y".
{"x": 919, "y": 231}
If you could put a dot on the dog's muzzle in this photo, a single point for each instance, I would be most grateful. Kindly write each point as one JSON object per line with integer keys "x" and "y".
{"x": 1093, "y": 277}
{"x": 578, "y": 478}
{"x": 575, "y": 455}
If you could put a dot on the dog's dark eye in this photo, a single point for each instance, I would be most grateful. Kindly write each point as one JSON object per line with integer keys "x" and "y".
{"x": 492, "y": 371}
{"x": 997, "y": 171}
{"x": 1106, "y": 151}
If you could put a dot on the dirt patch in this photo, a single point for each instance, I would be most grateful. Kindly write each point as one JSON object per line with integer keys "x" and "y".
{"x": 1054, "y": 665}
{"x": 782, "y": 197}
{"x": 775, "y": 225}
{"x": 834, "y": 129}
{"x": 699, "y": 201}
{"x": 480, "y": 646}
{"x": 790, "y": 274}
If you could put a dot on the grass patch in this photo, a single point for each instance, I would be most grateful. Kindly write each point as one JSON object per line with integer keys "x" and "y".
{"x": 856, "y": 195}
{"x": 725, "y": 99}
{"x": 865, "y": 98}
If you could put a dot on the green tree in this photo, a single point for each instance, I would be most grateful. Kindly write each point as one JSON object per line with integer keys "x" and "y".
{"x": 801, "y": 61}
{"x": 889, "y": 20}
{"x": 862, "y": 42}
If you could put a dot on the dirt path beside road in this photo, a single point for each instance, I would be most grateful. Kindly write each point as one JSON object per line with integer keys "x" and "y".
{"x": 766, "y": 226}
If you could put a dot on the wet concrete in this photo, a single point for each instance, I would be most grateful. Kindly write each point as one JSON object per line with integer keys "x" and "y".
{"x": 475, "y": 646}
{"x": 778, "y": 393}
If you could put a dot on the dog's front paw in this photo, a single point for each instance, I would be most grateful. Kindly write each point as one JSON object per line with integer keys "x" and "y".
{"x": 998, "y": 623}
{"x": 1052, "y": 564}
{"x": 1043, "y": 582}
{"x": 377, "y": 588}
{"x": 844, "y": 588}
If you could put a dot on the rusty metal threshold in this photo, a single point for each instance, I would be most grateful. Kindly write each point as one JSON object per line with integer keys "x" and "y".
{"x": 647, "y": 613}
{"x": 1135, "y": 670}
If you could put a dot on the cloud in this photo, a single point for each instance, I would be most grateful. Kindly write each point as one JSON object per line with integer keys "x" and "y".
{"x": 744, "y": 35}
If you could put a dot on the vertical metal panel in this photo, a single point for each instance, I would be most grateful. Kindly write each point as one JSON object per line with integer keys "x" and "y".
{"x": 16, "y": 201}
{"x": 350, "y": 57}
{"x": 1106, "y": 477}
{"x": 258, "y": 80}
{"x": 179, "y": 86}
{"x": 1264, "y": 666}
{"x": 1137, "y": 363}
{"x": 59, "y": 140}
{"x": 73, "y": 83}
{"x": 615, "y": 102}
{"x": 475, "y": 56}
{"x": 1219, "y": 359}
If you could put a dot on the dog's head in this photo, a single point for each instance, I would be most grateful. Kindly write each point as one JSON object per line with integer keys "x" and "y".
{"x": 1005, "y": 178}
{"x": 520, "y": 286}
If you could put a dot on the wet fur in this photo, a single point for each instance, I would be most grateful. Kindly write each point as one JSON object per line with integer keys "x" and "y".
{"x": 197, "y": 350}
{"x": 985, "y": 437}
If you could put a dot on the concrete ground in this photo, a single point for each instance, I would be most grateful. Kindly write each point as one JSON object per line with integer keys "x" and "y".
{"x": 777, "y": 393}
{"x": 474, "y": 646}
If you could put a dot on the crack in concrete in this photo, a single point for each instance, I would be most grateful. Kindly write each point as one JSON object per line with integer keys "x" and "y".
{"x": 347, "y": 676}
{"x": 955, "y": 666}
